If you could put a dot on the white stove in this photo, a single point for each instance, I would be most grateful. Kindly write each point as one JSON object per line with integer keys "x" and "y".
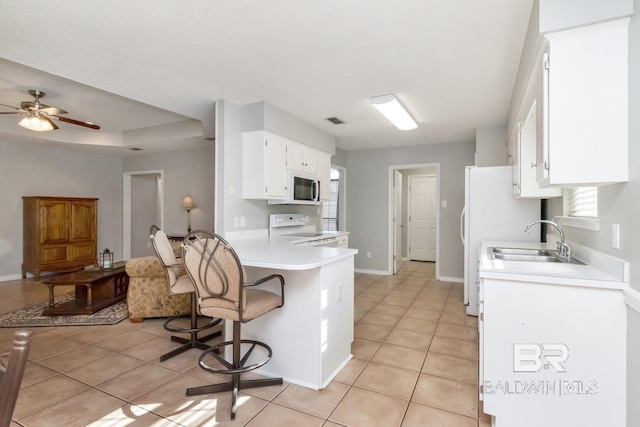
{"x": 297, "y": 225}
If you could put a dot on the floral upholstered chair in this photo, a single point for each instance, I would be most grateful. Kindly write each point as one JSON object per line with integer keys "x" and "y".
{"x": 147, "y": 295}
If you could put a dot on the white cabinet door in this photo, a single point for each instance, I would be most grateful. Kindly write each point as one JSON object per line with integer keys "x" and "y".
{"x": 264, "y": 170}
{"x": 552, "y": 352}
{"x": 526, "y": 184}
{"x": 302, "y": 158}
{"x": 584, "y": 138}
{"x": 324, "y": 175}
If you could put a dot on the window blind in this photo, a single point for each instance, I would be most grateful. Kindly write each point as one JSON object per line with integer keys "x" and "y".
{"x": 583, "y": 202}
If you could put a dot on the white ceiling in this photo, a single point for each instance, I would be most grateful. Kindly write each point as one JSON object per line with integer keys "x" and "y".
{"x": 150, "y": 63}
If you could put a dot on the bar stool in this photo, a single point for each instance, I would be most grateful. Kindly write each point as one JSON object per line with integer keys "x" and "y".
{"x": 179, "y": 283}
{"x": 218, "y": 277}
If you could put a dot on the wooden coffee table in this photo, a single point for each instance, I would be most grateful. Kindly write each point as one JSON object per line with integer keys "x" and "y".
{"x": 96, "y": 288}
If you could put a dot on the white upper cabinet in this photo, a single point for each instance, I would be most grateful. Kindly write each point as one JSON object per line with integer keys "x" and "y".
{"x": 523, "y": 141}
{"x": 302, "y": 158}
{"x": 324, "y": 175}
{"x": 264, "y": 169}
{"x": 583, "y": 123}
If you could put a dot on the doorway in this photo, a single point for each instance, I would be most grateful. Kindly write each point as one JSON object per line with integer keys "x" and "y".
{"x": 399, "y": 225}
{"x": 421, "y": 233}
{"x": 142, "y": 205}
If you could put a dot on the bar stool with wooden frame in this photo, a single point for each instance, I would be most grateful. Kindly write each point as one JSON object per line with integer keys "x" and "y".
{"x": 218, "y": 276}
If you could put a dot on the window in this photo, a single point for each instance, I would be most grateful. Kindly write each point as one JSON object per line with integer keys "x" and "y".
{"x": 582, "y": 202}
{"x": 330, "y": 220}
{"x": 581, "y": 208}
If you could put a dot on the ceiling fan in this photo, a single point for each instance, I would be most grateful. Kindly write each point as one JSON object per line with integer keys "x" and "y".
{"x": 37, "y": 116}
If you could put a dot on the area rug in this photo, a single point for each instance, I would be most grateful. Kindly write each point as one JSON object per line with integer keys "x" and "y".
{"x": 31, "y": 316}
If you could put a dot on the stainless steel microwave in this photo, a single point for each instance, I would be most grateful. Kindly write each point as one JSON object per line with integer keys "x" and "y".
{"x": 302, "y": 189}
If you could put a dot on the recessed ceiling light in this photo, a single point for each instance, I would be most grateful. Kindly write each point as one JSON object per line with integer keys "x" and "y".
{"x": 391, "y": 108}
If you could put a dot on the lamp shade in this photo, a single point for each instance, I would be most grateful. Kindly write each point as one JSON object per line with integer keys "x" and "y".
{"x": 187, "y": 203}
{"x": 35, "y": 123}
{"x": 391, "y": 108}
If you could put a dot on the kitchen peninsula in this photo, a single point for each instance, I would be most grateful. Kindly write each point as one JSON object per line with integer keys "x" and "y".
{"x": 311, "y": 334}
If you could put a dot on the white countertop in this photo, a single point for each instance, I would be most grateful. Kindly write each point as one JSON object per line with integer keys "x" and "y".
{"x": 600, "y": 270}
{"x": 279, "y": 252}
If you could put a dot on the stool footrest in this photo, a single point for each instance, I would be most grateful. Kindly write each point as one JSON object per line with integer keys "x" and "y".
{"x": 216, "y": 351}
{"x": 175, "y": 329}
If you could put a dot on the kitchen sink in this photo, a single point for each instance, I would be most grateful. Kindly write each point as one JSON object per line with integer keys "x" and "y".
{"x": 530, "y": 255}
{"x": 522, "y": 251}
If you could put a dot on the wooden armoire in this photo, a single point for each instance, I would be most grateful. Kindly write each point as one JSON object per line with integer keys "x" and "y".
{"x": 59, "y": 234}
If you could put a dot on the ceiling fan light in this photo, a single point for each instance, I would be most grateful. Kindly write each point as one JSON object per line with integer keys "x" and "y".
{"x": 37, "y": 124}
{"x": 391, "y": 108}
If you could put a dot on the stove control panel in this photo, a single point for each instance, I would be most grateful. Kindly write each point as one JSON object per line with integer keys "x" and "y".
{"x": 287, "y": 220}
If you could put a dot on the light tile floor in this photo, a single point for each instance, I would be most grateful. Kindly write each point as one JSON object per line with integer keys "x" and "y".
{"x": 415, "y": 364}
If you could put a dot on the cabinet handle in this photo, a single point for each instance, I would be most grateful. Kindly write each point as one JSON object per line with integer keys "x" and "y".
{"x": 533, "y": 165}
{"x": 546, "y": 164}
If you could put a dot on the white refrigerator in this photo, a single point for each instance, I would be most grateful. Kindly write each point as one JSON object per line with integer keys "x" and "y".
{"x": 491, "y": 212}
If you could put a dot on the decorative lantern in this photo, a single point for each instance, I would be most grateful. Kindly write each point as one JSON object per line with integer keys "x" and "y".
{"x": 105, "y": 259}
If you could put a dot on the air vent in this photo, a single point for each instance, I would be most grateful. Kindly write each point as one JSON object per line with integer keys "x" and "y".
{"x": 335, "y": 120}
{"x": 135, "y": 149}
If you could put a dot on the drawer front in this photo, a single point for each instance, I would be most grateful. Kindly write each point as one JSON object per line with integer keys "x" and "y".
{"x": 85, "y": 251}
{"x": 52, "y": 254}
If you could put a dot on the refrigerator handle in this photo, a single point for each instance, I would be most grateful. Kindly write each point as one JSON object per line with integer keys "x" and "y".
{"x": 462, "y": 224}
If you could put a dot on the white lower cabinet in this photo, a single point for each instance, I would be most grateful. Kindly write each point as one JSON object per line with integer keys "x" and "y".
{"x": 551, "y": 354}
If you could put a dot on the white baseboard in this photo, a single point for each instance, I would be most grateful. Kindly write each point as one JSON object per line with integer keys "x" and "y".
{"x": 10, "y": 277}
{"x": 632, "y": 299}
{"x": 376, "y": 272}
{"x": 450, "y": 279}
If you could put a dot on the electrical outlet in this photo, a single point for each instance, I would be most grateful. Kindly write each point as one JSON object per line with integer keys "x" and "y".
{"x": 243, "y": 221}
{"x": 368, "y": 254}
{"x": 236, "y": 221}
{"x": 615, "y": 236}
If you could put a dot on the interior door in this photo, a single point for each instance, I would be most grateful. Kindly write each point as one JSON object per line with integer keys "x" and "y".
{"x": 144, "y": 208}
{"x": 397, "y": 220}
{"x": 422, "y": 218}
{"x": 432, "y": 224}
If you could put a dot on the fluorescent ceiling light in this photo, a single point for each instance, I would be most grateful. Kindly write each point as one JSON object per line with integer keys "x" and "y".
{"x": 391, "y": 108}
{"x": 38, "y": 124}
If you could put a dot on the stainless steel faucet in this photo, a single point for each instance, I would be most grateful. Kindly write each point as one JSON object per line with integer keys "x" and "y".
{"x": 565, "y": 250}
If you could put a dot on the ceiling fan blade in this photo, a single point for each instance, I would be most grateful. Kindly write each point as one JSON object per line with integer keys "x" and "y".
{"x": 10, "y": 112}
{"x": 52, "y": 110}
{"x": 12, "y": 107}
{"x": 49, "y": 120}
{"x": 28, "y": 105}
{"x": 76, "y": 122}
